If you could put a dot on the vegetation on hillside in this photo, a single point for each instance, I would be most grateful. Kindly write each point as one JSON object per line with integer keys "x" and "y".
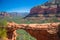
{"x": 20, "y": 20}
{"x": 23, "y": 35}
{"x": 3, "y": 31}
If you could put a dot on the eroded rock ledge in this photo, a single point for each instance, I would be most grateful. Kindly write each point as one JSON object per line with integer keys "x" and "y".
{"x": 51, "y": 28}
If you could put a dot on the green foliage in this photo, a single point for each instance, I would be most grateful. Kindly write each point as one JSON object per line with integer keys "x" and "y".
{"x": 23, "y": 35}
{"x": 53, "y": 19}
{"x": 3, "y": 22}
{"x": 20, "y": 20}
{"x": 3, "y": 31}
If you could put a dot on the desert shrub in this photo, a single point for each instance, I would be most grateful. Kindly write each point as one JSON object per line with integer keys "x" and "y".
{"x": 3, "y": 24}
{"x": 3, "y": 34}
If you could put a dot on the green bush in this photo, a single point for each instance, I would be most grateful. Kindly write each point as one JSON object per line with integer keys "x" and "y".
{"x": 23, "y": 35}
{"x": 3, "y": 22}
{"x": 3, "y": 31}
{"x": 3, "y": 34}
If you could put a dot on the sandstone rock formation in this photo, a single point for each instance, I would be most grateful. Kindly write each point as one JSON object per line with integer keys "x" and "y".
{"x": 34, "y": 29}
{"x": 46, "y": 11}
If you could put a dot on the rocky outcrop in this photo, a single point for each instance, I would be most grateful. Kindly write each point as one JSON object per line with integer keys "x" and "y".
{"x": 43, "y": 9}
{"x": 43, "y": 13}
{"x": 51, "y": 7}
{"x": 47, "y": 10}
{"x": 34, "y": 29}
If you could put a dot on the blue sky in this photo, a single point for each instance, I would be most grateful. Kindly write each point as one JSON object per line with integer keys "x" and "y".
{"x": 19, "y": 5}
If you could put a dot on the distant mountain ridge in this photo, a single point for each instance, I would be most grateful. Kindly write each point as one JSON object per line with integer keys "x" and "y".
{"x": 13, "y": 14}
{"x": 45, "y": 11}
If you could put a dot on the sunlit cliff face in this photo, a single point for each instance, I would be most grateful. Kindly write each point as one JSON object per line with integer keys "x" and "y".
{"x": 51, "y": 28}
{"x": 42, "y": 9}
